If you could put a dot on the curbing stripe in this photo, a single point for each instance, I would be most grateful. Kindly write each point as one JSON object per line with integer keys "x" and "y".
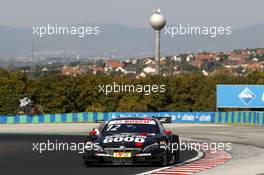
{"x": 209, "y": 161}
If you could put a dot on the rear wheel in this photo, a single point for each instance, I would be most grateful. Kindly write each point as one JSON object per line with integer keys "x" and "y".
{"x": 176, "y": 149}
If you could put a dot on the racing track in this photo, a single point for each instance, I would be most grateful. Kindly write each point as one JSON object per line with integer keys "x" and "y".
{"x": 17, "y": 157}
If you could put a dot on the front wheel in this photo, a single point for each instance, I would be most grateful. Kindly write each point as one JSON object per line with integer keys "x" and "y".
{"x": 164, "y": 159}
{"x": 176, "y": 158}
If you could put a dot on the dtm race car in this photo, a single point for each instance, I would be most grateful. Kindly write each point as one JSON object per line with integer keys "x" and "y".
{"x": 126, "y": 141}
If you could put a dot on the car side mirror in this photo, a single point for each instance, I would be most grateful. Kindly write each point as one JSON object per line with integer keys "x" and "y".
{"x": 168, "y": 132}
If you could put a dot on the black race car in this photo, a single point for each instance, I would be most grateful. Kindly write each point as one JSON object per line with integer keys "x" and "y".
{"x": 125, "y": 141}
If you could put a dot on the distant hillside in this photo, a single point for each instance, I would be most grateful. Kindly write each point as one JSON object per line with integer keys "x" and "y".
{"x": 116, "y": 39}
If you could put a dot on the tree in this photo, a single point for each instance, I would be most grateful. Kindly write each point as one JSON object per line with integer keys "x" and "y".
{"x": 12, "y": 89}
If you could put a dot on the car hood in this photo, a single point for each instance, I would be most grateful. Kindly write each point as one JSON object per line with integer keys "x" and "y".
{"x": 129, "y": 140}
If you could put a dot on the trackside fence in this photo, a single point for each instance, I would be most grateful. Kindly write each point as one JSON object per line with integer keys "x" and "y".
{"x": 241, "y": 118}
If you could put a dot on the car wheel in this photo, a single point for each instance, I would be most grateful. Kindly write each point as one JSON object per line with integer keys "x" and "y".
{"x": 176, "y": 157}
{"x": 164, "y": 161}
{"x": 176, "y": 153}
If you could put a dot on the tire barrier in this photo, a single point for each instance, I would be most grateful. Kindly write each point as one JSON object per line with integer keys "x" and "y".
{"x": 241, "y": 118}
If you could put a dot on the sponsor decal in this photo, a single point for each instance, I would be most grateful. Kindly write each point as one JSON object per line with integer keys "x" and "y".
{"x": 188, "y": 117}
{"x": 102, "y": 155}
{"x": 204, "y": 118}
{"x": 240, "y": 96}
{"x": 143, "y": 154}
{"x": 247, "y": 96}
{"x": 121, "y": 138}
{"x": 115, "y": 122}
{"x": 122, "y": 154}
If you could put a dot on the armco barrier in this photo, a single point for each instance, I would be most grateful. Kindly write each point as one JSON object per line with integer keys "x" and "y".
{"x": 243, "y": 118}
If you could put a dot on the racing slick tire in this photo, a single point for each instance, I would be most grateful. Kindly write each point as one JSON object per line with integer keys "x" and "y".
{"x": 176, "y": 153}
{"x": 164, "y": 159}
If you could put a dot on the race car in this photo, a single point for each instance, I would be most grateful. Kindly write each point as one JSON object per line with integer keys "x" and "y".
{"x": 136, "y": 140}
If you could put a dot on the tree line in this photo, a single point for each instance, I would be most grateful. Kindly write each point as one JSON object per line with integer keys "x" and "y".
{"x": 58, "y": 93}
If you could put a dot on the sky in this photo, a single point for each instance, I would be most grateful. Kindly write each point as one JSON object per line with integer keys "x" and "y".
{"x": 135, "y": 13}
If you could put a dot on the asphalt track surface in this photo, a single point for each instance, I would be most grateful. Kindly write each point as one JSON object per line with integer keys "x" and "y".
{"x": 17, "y": 157}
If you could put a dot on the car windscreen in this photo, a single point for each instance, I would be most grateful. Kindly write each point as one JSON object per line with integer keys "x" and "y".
{"x": 131, "y": 126}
